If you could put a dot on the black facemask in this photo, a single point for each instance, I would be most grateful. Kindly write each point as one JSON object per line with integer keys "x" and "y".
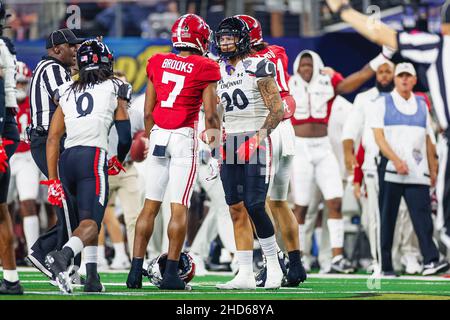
{"x": 387, "y": 88}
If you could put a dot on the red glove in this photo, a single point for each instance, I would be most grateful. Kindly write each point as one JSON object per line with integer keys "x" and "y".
{"x": 114, "y": 166}
{"x": 248, "y": 148}
{"x": 55, "y": 194}
{"x": 3, "y": 155}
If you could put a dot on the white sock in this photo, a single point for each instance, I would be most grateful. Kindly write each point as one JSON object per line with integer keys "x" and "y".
{"x": 75, "y": 244}
{"x": 31, "y": 230}
{"x": 90, "y": 254}
{"x": 302, "y": 237}
{"x": 10, "y": 275}
{"x": 101, "y": 253}
{"x": 119, "y": 251}
{"x": 245, "y": 260}
{"x": 336, "y": 229}
{"x": 269, "y": 248}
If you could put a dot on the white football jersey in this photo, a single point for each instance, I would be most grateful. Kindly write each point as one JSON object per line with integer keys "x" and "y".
{"x": 240, "y": 97}
{"x": 89, "y": 115}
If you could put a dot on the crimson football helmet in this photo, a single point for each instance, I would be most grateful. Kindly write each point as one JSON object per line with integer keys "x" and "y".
{"x": 156, "y": 268}
{"x": 256, "y": 36}
{"x": 191, "y": 31}
{"x": 23, "y": 73}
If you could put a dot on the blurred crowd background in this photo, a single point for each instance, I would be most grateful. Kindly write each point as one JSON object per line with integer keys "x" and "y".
{"x": 35, "y": 19}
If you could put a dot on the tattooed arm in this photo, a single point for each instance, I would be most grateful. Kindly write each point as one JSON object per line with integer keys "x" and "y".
{"x": 272, "y": 99}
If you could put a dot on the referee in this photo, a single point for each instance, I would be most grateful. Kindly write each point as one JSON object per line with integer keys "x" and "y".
{"x": 432, "y": 50}
{"x": 51, "y": 72}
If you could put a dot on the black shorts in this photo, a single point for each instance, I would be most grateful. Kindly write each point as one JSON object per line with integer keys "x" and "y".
{"x": 84, "y": 175}
{"x": 10, "y": 132}
{"x": 248, "y": 181}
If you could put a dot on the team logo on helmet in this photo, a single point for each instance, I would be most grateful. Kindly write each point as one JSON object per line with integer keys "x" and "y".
{"x": 191, "y": 32}
{"x": 93, "y": 55}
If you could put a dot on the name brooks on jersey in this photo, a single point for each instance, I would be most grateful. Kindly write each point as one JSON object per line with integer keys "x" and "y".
{"x": 177, "y": 65}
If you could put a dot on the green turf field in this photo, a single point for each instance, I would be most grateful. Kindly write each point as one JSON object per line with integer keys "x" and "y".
{"x": 316, "y": 287}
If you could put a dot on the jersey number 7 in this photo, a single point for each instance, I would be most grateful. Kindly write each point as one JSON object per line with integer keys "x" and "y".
{"x": 179, "y": 83}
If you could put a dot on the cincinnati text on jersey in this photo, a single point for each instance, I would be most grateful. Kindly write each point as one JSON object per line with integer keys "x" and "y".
{"x": 229, "y": 84}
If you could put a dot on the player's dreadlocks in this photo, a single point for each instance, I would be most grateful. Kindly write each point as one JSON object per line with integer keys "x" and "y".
{"x": 88, "y": 78}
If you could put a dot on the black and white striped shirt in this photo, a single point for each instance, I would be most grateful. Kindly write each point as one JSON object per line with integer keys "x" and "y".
{"x": 49, "y": 74}
{"x": 432, "y": 50}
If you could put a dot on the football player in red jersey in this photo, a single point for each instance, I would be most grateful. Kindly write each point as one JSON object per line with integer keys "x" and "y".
{"x": 282, "y": 159}
{"x": 177, "y": 86}
{"x": 24, "y": 171}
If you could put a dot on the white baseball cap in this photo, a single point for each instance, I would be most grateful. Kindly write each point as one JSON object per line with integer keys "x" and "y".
{"x": 405, "y": 67}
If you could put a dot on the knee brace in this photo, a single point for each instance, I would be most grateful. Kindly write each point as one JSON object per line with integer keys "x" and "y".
{"x": 263, "y": 224}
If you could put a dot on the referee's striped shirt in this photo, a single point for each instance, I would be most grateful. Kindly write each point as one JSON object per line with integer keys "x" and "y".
{"x": 434, "y": 51}
{"x": 49, "y": 74}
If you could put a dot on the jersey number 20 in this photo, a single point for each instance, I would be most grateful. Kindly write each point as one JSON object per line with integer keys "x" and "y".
{"x": 237, "y": 95}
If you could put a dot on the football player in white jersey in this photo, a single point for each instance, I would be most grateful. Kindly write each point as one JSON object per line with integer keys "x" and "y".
{"x": 253, "y": 109}
{"x": 87, "y": 109}
{"x": 9, "y": 139}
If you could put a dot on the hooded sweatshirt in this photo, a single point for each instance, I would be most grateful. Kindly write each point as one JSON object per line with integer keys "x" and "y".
{"x": 313, "y": 99}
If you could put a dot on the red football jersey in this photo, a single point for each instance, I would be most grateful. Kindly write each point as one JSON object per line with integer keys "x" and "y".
{"x": 335, "y": 80}
{"x": 179, "y": 83}
{"x": 23, "y": 119}
{"x": 278, "y": 56}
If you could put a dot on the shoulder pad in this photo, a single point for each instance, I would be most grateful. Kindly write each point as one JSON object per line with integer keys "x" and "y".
{"x": 9, "y": 45}
{"x": 260, "y": 68}
{"x": 124, "y": 91}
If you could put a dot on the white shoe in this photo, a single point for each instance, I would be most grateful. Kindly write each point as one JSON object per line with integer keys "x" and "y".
{"x": 306, "y": 263}
{"x": 234, "y": 265}
{"x": 102, "y": 264}
{"x": 200, "y": 269}
{"x": 240, "y": 282}
{"x": 274, "y": 275}
{"x": 412, "y": 265}
{"x": 82, "y": 269}
{"x": 372, "y": 268}
{"x": 120, "y": 264}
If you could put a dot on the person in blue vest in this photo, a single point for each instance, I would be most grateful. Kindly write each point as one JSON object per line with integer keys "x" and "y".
{"x": 402, "y": 129}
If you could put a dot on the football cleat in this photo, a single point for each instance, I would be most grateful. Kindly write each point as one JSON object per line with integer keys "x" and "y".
{"x": 7, "y": 287}
{"x": 57, "y": 263}
{"x": 435, "y": 268}
{"x": 340, "y": 264}
{"x": 274, "y": 275}
{"x": 261, "y": 276}
{"x": 296, "y": 275}
{"x": 93, "y": 284}
{"x": 242, "y": 281}
{"x": 412, "y": 266}
{"x": 173, "y": 283}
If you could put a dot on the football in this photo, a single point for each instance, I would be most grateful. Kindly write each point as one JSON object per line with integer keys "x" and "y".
{"x": 138, "y": 146}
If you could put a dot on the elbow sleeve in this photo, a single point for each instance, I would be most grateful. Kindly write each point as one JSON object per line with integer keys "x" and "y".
{"x": 124, "y": 133}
